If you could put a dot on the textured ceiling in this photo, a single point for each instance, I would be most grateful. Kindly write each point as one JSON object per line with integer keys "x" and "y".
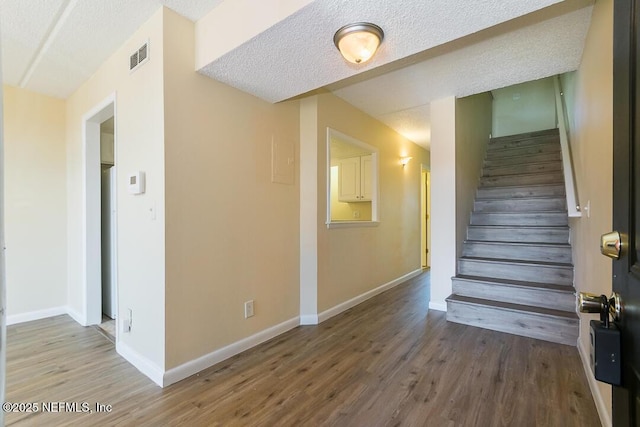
{"x": 432, "y": 49}
{"x": 401, "y": 98}
{"x": 297, "y": 55}
{"x": 53, "y": 46}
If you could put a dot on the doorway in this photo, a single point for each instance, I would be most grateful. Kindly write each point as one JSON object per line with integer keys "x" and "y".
{"x": 99, "y": 217}
{"x": 107, "y": 226}
{"x": 425, "y": 217}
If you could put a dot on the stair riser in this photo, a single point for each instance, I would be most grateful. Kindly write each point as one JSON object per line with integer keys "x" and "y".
{"x": 518, "y": 160}
{"x": 520, "y": 169}
{"x": 523, "y": 151}
{"x": 552, "y": 329}
{"x": 521, "y": 180}
{"x": 525, "y": 273}
{"x": 555, "y": 300}
{"x": 526, "y": 205}
{"x": 519, "y": 143}
{"x": 539, "y": 219}
{"x": 517, "y": 252}
{"x": 519, "y": 192}
{"x": 515, "y": 234}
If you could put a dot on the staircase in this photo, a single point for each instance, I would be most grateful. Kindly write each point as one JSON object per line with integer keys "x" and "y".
{"x": 516, "y": 274}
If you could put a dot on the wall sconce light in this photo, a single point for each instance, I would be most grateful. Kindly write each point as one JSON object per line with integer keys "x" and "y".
{"x": 358, "y": 42}
{"x": 405, "y": 160}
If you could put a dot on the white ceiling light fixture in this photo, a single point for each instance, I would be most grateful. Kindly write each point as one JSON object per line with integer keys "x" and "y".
{"x": 358, "y": 42}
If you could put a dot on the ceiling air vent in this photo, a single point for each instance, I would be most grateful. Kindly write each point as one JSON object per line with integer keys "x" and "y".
{"x": 139, "y": 57}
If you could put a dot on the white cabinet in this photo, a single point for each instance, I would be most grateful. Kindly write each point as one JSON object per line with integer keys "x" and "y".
{"x": 354, "y": 179}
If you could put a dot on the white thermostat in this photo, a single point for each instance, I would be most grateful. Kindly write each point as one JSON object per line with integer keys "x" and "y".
{"x": 136, "y": 183}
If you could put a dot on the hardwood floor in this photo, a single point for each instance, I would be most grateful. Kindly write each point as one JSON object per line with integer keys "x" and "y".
{"x": 385, "y": 362}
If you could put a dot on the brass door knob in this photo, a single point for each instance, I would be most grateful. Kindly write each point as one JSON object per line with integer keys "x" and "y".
{"x": 611, "y": 245}
{"x": 591, "y": 303}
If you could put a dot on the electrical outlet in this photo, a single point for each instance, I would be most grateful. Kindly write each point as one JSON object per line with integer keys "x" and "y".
{"x": 356, "y": 214}
{"x": 248, "y": 309}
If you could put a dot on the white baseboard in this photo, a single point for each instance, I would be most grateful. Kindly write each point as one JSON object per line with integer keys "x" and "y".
{"x": 14, "y": 319}
{"x": 308, "y": 319}
{"x": 76, "y": 316}
{"x": 194, "y": 366}
{"x": 143, "y": 364}
{"x": 603, "y": 412}
{"x": 438, "y": 305}
{"x": 327, "y": 314}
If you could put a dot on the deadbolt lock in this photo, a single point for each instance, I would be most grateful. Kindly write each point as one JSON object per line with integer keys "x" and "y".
{"x": 611, "y": 245}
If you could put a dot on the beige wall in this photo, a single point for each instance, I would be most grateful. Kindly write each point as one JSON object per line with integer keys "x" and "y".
{"x": 443, "y": 200}
{"x": 36, "y": 201}
{"x": 473, "y": 127}
{"x": 139, "y": 138}
{"x": 590, "y": 98}
{"x": 525, "y": 107}
{"x": 352, "y": 261}
{"x": 232, "y": 235}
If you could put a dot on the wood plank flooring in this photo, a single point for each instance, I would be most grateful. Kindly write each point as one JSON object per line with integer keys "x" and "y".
{"x": 386, "y": 362}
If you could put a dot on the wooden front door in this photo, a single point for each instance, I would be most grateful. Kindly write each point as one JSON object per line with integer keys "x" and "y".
{"x": 626, "y": 205}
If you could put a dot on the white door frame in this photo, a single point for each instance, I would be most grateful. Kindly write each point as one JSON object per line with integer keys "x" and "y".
{"x": 91, "y": 250}
{"x": 3, "y": 285}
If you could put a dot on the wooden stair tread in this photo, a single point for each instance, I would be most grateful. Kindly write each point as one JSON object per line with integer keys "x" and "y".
{"x": 516, "y": 283}
{"x": 495, "y": 150}
{"x": 518, "y": 262}
{"x": 523, "y": 213}
{"x": 524, "y": 244}
{"x": 522, "y": 198}
{"x": 514, "y": 307}
{"x": 495, "y": 145}
{"x": 514, "y": 186}
{"x": 527, "y": 186}
{"x": 526, "y": 227}
{"x": 548, "y": 162}
{"x": 494, "y": 153}
{"x": 528, "y": 174}
{"x": 526, "y": 135}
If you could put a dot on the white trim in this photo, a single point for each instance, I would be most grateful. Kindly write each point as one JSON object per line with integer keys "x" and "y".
{"x": 327, "y": 314}
{"x": 603, "y": 412}
{"x": 438, "y": 305}
{"x": 308, "y": 319}
{"x": 196, "y": 365}
{"x": 352, "y": 224}
{"x": 75, "y": 315}
{"x": 141, "y": 363}
{"x": 14, "y": 319}
{"x": 91, "y": 284}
